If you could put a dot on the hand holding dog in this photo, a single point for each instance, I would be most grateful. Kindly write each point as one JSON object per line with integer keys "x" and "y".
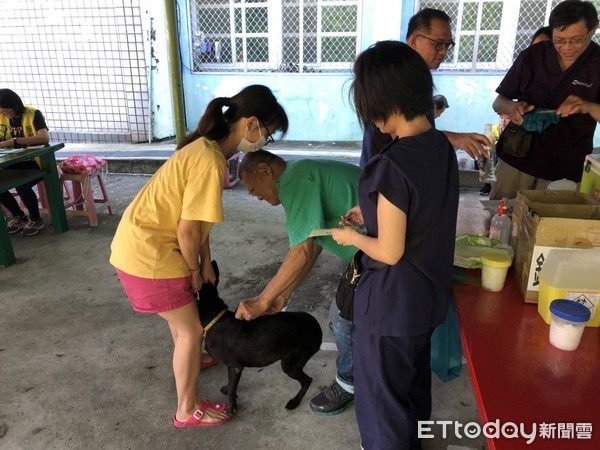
{"x": 251, "y": 309}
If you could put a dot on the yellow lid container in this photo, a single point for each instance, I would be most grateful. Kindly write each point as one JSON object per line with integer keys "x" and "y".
{"x": 571, "y": 274}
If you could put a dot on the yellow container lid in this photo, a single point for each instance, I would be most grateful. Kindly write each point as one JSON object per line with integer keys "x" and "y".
{"x": 499, "y": 260}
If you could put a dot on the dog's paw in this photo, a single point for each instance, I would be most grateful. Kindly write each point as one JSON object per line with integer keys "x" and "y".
{"x": 292, "y": 404}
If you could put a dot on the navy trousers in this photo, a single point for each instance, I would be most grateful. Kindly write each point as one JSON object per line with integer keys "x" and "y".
{"x": 392, "y": 388}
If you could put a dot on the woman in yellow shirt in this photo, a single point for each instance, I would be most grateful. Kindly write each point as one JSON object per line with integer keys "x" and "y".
{"x": 161, "y": 247}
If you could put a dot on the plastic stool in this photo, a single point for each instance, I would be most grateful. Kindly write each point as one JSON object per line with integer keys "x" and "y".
{"x": 81, "y": 197}
{"x": 233, "y": 170}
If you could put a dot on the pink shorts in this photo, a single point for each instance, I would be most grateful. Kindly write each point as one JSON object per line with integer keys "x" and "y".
{"x": 154, "y": 296}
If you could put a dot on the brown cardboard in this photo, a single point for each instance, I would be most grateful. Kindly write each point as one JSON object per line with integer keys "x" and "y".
{"x": 545, "y": 219}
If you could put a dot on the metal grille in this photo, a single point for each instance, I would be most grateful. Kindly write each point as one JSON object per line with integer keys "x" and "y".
{"x": 489, "y": 34}
{"x": 81, "y": 63}
{"x": 274, "y": 36}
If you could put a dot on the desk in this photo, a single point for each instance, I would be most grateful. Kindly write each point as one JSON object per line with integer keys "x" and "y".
{"x": 48, "y": 172}
{"x": 519, "y": 377}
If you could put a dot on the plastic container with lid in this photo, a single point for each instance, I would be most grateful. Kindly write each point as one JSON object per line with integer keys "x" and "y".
{"x": 493, "y": 271}
{"x": 562, "y": 185}
{"x": 567, "y": 324}
{"x": 572, "y": 274}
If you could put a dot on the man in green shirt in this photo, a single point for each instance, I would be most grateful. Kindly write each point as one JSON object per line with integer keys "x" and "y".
{"x": 315, "y": 194}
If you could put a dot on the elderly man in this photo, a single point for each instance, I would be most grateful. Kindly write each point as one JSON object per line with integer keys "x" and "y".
{"x": 562, "y": 74}
{"x": 430, "y": 35}
{"x": 314, "y": 194}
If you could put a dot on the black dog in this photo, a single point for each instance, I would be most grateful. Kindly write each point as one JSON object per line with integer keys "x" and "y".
{"x": 292, "y": 337}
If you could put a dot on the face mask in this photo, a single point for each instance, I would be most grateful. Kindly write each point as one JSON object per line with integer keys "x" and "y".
{"x": 246, "y": 146}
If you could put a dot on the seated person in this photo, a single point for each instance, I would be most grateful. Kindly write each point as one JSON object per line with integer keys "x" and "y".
{"x": 20, "y": 126}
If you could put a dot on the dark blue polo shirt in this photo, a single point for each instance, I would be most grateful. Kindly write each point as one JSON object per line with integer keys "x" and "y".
{"x": 535, "y": 76}
{"x": 410, "y": 297}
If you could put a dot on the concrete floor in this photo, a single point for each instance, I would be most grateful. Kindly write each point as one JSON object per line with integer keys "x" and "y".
{"x": 80, "y": 369}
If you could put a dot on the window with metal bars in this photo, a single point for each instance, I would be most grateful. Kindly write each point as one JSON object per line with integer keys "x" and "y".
{"x": 489, "y": 34}
{"x": 274, "y": 36}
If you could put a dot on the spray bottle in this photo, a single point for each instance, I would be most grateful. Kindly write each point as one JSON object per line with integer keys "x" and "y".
{"x": 500, "y": 226}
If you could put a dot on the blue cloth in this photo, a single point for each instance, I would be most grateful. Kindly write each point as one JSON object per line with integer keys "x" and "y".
{"x": 446, "y": 347}
{"x": 537, "y": 121}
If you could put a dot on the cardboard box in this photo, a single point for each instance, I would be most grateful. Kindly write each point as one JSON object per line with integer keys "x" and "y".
{"x": 543, "y": 220}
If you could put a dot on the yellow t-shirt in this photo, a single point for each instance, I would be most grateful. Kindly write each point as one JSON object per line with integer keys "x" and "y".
{"x": 189, "y": 185}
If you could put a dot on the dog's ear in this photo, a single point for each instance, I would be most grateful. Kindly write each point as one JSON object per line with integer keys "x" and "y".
{"x": 216, "y": 270}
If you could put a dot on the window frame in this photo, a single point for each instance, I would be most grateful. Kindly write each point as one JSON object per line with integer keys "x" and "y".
{"x": 275, "y": 37}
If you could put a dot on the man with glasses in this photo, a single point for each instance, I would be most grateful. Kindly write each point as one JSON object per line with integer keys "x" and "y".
{"x": 314, "y": 193}
{"x": 562, "y": 74}
{"x": 430, "y": 35}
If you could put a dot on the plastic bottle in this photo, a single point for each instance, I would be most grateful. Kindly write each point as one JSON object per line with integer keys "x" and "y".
{"x": 487, "y": 167}
{"x": 500, "y": 226}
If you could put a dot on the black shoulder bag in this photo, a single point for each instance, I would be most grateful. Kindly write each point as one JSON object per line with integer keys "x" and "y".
{"x": 516, "y": 140}
{"x": 344, "y": 296}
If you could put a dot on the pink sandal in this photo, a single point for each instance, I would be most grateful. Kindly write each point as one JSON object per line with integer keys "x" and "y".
{"x": 206, "y": 365}
{"x": 196, "y": 419}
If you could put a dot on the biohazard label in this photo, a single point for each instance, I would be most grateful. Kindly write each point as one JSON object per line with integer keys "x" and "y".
{"x": 587, "y": 299}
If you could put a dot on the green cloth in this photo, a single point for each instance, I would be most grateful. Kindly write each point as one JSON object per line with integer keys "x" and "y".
{"x": 315, "y": 194}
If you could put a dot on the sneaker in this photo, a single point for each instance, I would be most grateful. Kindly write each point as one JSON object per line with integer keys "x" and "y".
{"x": 486, "y": 189}
{"x": 32, "y": 227}
{"x": 332, "y": 400}
{"x": 16, "y": 224}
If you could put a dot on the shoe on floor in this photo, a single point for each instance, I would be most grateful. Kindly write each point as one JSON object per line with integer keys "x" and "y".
{"x": 486, "y": 189}
{"x": 16, "y": 224}
{"x": 32, "y": 227}
{"x": 195, "y": 419}
{"x": 332, "y": 400}
{"x": 207, "y": 364}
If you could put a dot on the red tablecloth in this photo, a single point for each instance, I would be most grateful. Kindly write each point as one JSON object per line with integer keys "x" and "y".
{"x": 519, "y": 377}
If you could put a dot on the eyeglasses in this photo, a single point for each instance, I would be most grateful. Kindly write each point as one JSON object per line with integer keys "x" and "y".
{"x": 575, "y": 42}
{"x": 269, "y": 138}
{"x": 439, "y": 45}
{"x": 251, "y": 188}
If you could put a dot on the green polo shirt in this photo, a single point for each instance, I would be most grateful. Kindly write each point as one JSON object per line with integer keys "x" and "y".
{"x": 315, "y": 193}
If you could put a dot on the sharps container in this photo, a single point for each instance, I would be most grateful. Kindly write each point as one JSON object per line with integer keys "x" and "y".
{"x": 571, "y": 274}
{"x": 493, "y": 271}
{"x": 567, "y": 323}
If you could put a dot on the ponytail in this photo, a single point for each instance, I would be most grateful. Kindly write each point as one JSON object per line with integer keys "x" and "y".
{"x": 255, "y": 100}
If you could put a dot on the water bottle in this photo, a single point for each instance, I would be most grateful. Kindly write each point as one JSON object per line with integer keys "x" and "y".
{"x": 487, "y": 167}
{"x": 500, "y": 226}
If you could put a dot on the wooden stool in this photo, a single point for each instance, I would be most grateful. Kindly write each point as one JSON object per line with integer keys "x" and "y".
{"x": 81, "y": 196}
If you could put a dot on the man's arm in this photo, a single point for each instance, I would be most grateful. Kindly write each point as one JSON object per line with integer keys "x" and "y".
{"x": 473, "y": 143}
{"x": 516, "y": 110}
{"x": 294, "y": 268}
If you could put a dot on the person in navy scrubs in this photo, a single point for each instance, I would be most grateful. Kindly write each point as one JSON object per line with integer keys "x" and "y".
{"x": 409, "y": 245}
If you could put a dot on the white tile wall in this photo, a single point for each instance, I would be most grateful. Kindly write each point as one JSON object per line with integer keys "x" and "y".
{"x": 82, "y": 63}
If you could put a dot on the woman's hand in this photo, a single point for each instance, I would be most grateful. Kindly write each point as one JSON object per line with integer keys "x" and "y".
{"x": 353, "y": 218}
{"x": 7, "y": 144}
{"x": 344, "y": 236}
{"x": 207, "y": 272}
{"x": 196, "y": 281}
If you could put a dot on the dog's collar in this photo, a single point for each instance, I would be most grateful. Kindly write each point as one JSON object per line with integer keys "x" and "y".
{"x": 212, "y": 322}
